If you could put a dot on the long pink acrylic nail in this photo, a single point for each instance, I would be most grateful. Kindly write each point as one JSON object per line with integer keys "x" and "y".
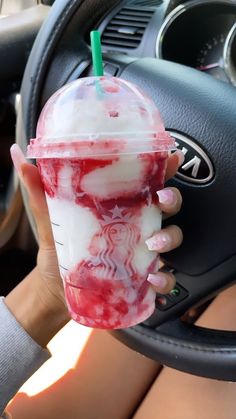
{"x": 17, "y": 158}
{"x": 158, "y": 280}
{"x": 158, "y": 242}
{"x": 167, "y": 197}
{"x": 181, "y": 157}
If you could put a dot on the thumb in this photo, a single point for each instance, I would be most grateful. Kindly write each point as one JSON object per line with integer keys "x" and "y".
{"x": 29, "y": 175}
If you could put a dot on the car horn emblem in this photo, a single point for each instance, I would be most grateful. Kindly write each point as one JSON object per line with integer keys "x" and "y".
{"x": 197, "y": 168}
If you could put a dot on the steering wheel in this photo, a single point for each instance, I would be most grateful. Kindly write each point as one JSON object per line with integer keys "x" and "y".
{"x": 200, "y": 111}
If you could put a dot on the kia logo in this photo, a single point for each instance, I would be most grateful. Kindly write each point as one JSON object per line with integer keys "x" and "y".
{"x": 197, "y": 167}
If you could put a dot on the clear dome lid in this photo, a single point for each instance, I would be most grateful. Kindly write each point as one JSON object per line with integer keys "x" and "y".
{"x": 99, "y": 116}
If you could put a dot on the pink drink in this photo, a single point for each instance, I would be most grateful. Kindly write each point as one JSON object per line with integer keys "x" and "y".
{"x": 101, "y": 149}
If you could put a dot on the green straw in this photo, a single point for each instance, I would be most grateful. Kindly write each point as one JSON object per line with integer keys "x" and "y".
{"x": 96, "y": 53}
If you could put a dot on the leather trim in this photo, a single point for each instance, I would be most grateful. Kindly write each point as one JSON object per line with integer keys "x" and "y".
{"x": 192, "y": 349}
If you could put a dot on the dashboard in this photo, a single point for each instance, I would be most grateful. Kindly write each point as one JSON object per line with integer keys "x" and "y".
{"x": 197, "y": 33}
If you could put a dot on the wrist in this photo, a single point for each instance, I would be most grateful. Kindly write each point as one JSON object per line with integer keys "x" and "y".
{"x": 42, "y": 315}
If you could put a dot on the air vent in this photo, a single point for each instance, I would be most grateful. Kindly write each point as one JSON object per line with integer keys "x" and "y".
{"x": 147, "y": 3}
{"x": 126, "y": 29}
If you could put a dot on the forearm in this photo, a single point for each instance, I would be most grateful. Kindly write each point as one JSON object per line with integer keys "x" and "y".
{"x": 41, "y": 320}
{"x": 28, "y": 322}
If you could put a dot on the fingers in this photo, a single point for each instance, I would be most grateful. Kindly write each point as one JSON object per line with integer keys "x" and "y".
{"x": 165, "y": 240}
{"x": 170, "y": 200}
{"x": 174, "y": 161}
{"x": 162, "y": 282}
{"x": 30, "y": 178}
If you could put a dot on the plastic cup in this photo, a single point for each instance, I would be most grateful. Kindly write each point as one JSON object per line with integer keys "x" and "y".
{"x": 102, "y": 149}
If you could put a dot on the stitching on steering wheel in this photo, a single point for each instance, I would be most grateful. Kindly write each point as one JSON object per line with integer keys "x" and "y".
{"x": 183, "y": 345}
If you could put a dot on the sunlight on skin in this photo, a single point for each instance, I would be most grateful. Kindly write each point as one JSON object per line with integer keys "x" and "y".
{"x": 65, "y": 348}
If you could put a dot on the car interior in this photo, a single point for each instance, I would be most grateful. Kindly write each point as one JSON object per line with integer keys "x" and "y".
{"x": 183, "y": 54}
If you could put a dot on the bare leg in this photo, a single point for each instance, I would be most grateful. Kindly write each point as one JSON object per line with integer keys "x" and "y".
{"x": 108, "y": 382}
{"x": 176, "y": 395}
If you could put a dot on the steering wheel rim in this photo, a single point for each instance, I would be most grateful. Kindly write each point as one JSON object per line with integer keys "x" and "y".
{"x": 199, "y": 108}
